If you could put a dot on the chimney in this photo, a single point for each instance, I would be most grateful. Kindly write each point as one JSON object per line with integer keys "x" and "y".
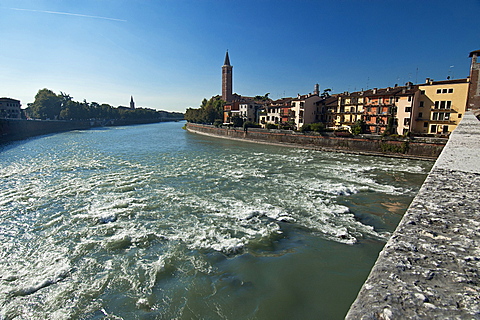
{"x": 374, "y": 90}
{"x": 427, "y": 80}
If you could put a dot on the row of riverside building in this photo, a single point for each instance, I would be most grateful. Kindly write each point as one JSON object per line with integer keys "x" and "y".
{"x": 434, "y": 107}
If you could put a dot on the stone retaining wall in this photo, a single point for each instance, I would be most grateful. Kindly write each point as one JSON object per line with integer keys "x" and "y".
{"x": 430, "y": 267}
{"x": 12, "y": 129}
{"x": 425, "y": 148}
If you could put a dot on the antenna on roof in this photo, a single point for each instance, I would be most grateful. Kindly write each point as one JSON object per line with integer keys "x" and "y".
{"x": 450, "y": 73}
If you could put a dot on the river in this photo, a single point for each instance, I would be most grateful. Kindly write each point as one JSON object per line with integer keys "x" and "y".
{"x": 153, "y": 222}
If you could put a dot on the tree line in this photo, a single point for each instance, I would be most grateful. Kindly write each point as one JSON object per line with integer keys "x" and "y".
{"x": 49, "y": 105}
{"x": 210, "y": 111}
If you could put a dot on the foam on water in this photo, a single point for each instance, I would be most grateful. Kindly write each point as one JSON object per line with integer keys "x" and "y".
{"x": 83, "y": 223}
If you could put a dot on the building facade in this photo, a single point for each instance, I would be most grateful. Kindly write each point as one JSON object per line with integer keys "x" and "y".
{"x": 441, "y": 105}
{"x": 405, "y": 101}
{"x": 10, "y": 108}
{"x": 304, "y": 109}
{"x": 350, "y": 108}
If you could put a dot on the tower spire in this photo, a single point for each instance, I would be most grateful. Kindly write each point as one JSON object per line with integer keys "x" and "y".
{"x": 227, "y": 80}
{"x": 132, "y": 103}
{"x": 227, "y": 60}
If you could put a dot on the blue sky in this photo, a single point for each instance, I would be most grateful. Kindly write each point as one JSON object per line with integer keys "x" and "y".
{"x": 168, "y": 53}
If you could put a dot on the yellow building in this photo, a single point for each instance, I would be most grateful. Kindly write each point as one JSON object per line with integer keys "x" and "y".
{"x": 440, "y": 106}
{"x": 349, "y": 109}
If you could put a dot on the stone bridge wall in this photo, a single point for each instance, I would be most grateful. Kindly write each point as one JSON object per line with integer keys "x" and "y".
{"x": 430, "y": 267}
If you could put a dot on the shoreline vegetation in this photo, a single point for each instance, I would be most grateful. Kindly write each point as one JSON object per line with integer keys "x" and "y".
{"x": 51, "y": 106}
{"x": 52, "y": 113}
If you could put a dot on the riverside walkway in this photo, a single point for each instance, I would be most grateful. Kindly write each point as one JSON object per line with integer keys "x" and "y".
{"x": 430, "y": 267}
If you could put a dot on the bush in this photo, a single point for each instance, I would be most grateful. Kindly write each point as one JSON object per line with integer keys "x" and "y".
{"x": 394, "y": 148}
{"x": 317, "y": 127}
{"x": 306, "y": 128}
{"x": 286, "y": 126}
{"x": 218, "y": 123}
{"x": 271, "y": 126}
{"x": 251, "y": 124}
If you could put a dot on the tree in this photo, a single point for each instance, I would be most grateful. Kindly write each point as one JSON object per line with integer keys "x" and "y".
{"x": 359, "y": 127}
{"x": 237, "y": 121}
{"x": 326, "y": 93}
{"x": 390, "y": 126}
{"x": 47, "y": 105}
{"x": 209, "y": 111}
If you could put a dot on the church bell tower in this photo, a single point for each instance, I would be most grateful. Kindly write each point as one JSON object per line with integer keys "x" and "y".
{"x": 473, "y": 101}
{"x": 227, "y": 82}
{"x": 132, "y": 103}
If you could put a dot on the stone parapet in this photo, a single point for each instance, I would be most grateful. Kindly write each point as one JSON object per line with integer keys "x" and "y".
{"x": 430, "y": 267}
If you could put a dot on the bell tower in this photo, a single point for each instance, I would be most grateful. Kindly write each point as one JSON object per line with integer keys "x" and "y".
{"x": 473, "y": 101}
{"x": 227, "y": 80}
{"x": 132, "y": 103}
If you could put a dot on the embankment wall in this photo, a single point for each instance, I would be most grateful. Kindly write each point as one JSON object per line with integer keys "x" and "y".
{"x": 430, "y": 267}
{"x": 12, "y": 129}
{"x": 21, "y": 129}
{"x": 424, "y": 148}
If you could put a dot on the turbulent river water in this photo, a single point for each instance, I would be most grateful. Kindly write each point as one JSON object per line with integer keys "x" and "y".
{"x": 153, "y": 222}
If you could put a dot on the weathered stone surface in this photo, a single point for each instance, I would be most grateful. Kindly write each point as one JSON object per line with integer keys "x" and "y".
{"x": 416, "y": 148}
{"x": 430, "y": 267}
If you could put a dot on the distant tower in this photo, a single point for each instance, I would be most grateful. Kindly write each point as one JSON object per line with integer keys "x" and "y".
{"x": 473, "y": 101}
{"x": 227, "y": 73}
{"x": 316, "y": 90}
{"x": 132, "y": 103}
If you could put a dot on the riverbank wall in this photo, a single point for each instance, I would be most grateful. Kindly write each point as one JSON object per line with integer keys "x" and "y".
{"x": 430, "y": 267}
{"x": 417, "y": 148}
{"x": 13, "y": 129}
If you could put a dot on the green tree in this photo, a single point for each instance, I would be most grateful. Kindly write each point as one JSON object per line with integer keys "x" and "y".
{"x": 47, "y": 105}
{"x": 390, "y": 126}
{"x": 359, "y": 127}
{"x": 209, "y": 111}
{"x": 326, "y": 93}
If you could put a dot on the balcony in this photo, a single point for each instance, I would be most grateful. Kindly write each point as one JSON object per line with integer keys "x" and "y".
{"x": 442, "y": 121}
{"x": 443, "y": 110}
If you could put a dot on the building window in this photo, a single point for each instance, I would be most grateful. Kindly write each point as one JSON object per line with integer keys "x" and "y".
{"x": 444, "y": 91}
{"x": 421, "y": 104}
{"x": 409, "y": 98}
{"x": 439, "y": 91}
{"x": 420, "y": 114}
{"x": 422, "y": 91}
{"x": 425, "y": 124}
{"x": 406, "y": 121}
{"x": 459, "y": 116}
{"x": 433, "y": 128}
{"x": 408, "y": 109}
{"x": 449, "y": 104}
{"x": 450, "y": 90}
